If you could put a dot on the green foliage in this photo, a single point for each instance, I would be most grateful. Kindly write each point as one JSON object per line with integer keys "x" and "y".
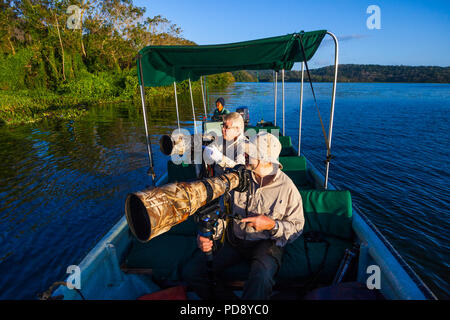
{"x": 220, "y": 80}
{"x": 46, "y": 68}
{"x": 243, "y": 76}
{"x": 14, "y": 69}
{"x": 130, "y": 85}
{"x": 101, "y": 85}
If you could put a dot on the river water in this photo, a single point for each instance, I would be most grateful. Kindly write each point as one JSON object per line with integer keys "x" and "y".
{"x": 63, "y": 183}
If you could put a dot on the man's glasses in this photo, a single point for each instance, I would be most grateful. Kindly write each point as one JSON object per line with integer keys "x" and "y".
{"x": 226, "y": 127}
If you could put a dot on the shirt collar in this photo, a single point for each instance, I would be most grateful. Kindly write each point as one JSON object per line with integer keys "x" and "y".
{"x": 263, "y": 184}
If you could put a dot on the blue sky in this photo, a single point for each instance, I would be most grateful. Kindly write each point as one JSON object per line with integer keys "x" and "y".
{"x": 412, "y": 32}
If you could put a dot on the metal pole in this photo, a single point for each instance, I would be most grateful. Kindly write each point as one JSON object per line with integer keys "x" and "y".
{"x": 144, "y": 112}
{"x": 176, "y": 103}
{"x": 282, "y": 79}
{"x": 193, "y": 109}
{"x": 301, "y": 111}
{"x": 333, "y": 98}
{"x": 203, "y": 98}
{"x": 275, "y": 99}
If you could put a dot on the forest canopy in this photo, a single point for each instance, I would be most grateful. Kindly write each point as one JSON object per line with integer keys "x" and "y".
{"x": 54, "y": 54}
{"x": 48, "y": 44}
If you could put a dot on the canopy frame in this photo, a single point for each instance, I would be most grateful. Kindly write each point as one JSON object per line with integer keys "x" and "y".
{"x": 333, "y": 99}
{"x": 304, "y": 61}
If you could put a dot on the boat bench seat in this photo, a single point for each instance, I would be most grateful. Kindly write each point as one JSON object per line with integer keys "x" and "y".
{"x": 295, "y": 168}
{"x": 166, "y": 254}
{"x": 327, "y": 211}
{"x": 287, "y": 149}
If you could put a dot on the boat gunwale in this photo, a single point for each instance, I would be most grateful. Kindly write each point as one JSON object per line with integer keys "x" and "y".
{"x": 423, "y": 288}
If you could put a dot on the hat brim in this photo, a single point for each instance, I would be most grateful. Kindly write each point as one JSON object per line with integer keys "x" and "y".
{"x": 253, "y": 152}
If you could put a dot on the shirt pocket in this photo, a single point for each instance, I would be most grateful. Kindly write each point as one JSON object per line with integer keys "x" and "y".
{"x": 278, "y": 209}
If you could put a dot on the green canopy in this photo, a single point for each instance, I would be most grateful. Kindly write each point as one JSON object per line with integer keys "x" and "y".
{"x": 162, "y": 65}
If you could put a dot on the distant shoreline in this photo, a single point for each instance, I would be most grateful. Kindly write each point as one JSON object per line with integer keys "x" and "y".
{"x": 356, "y": 73}
{"x": 340, "y": 82}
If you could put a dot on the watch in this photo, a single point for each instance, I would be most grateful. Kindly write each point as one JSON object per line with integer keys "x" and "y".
{"x": 274, "y": 229}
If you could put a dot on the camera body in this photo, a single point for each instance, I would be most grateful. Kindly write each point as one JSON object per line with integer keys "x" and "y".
{"x": 208, "y": 216}
{"x": 207, "y": 219}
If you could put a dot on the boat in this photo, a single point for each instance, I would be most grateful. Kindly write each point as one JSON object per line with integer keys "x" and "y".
{"x": 341, "y": 253}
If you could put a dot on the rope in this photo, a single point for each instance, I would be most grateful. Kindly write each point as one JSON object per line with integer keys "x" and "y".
{"x": 203, "y": 98}
{"x": 176, "y": 104}
{"x": 282, "y": 78}
{"x": 193, "y": 109}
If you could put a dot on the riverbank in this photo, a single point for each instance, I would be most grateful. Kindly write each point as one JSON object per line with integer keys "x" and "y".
{"x": 29, "y": 106}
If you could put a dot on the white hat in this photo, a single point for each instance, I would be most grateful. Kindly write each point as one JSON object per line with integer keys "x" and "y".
{"x": 264, "y": 146}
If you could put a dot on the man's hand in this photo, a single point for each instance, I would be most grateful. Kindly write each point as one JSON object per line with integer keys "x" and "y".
{"x": 260, "y": 222}
{"x": 205, "y": 244}
{"x": 213, "y": 153}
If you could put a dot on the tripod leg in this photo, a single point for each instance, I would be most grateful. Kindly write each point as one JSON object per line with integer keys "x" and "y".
{"x": 211, "y": 276}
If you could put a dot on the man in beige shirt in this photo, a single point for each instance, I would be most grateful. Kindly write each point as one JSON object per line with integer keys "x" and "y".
{"x": 272, "y": 216}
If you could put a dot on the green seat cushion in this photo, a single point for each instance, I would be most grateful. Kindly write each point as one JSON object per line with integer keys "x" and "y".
{"x": 299, "y": 178}
{"x": 288, "y": 151}
{"x": 295, "y": 168}
{"x": 294, "y": 266}
{"x": 165, "y": 254}
{"x": 286, "y": 146}
{"x": 328, "y": 211}
{"x": 293, "y": 163}
{"x": 180, "y": 172}
{"x": 285, "y": 141}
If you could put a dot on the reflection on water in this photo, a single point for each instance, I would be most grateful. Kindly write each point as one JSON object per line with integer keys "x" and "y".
{"x": 63, "y": 183}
